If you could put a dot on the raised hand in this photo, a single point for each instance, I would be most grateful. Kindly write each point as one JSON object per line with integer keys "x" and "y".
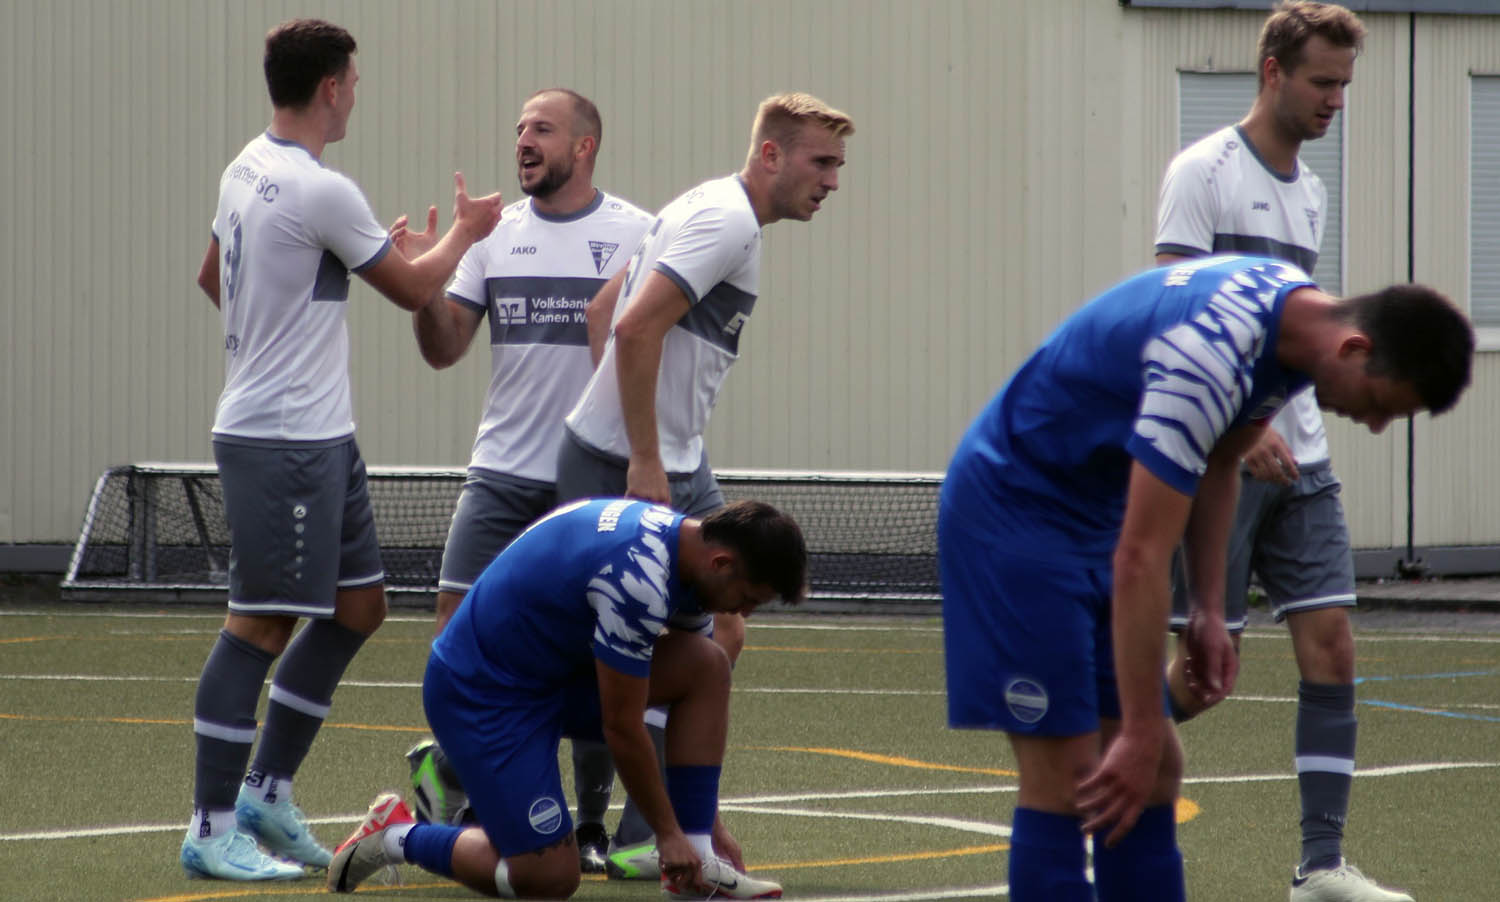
{"x": 414, "y": 244}
{"x": 476, "y": 215}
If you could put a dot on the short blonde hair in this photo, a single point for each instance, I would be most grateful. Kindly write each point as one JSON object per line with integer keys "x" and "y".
{"x": 1293, "y": 22}
{"x": 781, "y": 117}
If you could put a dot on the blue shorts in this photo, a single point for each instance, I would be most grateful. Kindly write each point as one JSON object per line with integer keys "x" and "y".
{"x": 1027, "y": 643}
{"x": 503, "y": 745}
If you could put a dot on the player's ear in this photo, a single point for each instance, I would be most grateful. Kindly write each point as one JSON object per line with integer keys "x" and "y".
{"x": 770, "y": 155}
{"x": 1355, "y": 342}
{"x": 585, "y": 147}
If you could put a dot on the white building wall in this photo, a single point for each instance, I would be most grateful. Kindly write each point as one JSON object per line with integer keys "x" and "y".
{"x": 1005, "y": 168}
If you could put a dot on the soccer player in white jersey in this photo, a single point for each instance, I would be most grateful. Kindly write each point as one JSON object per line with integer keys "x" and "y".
{"x": 1244, "y": 189}
{"x": 666, "y": 346}
{"x": 1118, "y": 439}
{"x": 533, "y": 277}
{"x": 286, "y": 234}
{"x": 566, "y": 634}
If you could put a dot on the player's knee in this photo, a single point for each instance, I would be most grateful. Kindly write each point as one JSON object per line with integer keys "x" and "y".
{"x": 729, "y": 633}
{"x": 362, "y": 610}
{"x": 554, "y": 883}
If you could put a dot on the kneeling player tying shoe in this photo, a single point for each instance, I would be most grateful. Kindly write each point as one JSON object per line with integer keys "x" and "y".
{"x": 593, "y": 613}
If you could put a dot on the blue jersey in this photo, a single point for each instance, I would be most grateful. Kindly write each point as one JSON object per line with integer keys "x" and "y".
{"x": 596, "y": 579}
{"x": 1156, "y": 369}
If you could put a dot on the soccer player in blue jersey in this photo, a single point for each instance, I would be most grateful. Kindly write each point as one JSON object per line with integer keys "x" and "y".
{"x": 286, "y": 234}
{"x": 1117, "y": 440}
{"x": 1245, "y": 189}
{"x": 591, "y": 614}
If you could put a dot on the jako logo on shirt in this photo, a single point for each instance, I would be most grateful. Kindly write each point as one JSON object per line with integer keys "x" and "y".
{"x": 1027, "y": 699}
{"x": 524, "y": 249}
{"x": 546, "y": 815}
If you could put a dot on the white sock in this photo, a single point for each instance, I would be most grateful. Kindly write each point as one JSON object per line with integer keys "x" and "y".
{"x": 703, "y": 844}
{"x": 393, "y": 841}
{"x": 218, "y": 821}
{"x": 502, "y": 881}
{"x": 267, "y": 788}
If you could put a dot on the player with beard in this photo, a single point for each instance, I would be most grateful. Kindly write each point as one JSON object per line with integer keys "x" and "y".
{"x": 533, "y": 278}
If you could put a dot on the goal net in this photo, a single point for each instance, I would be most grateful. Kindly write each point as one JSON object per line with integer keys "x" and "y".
{"x": 157, "y": 531}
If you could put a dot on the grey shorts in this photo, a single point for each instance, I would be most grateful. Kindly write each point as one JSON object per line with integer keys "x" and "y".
{"x": 492, "y": 509}
{"x": 584, "y": 472}
{"x": 1295, "y": 542}
{"x": 300, "y": 525}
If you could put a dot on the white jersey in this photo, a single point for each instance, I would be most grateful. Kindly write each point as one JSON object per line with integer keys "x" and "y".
{"x": 707, "y": 242}
{"x": 289, "y": 231}
{"x": 1219, "y": 196}
{"x": 534, "y": 277}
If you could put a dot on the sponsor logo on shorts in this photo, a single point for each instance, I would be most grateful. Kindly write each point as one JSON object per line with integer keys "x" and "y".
{"x": 1027, "y": 699}
{"x": 546, "y": 815}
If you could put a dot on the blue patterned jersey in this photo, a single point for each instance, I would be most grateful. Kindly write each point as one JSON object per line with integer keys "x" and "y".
{"x": 1156, "y": 369}
{"x": 596, "y": 579}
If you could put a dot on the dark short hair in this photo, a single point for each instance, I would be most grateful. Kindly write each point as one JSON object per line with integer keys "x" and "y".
{"x": 1291, "y": 24}
{"x": 768, "y": 542}
{"x": 300, "y": 54}
{"x": 586, "y": 120}
{"x": 1417, "y": 336}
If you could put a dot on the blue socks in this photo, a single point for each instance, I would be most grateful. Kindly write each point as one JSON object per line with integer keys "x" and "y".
{"x": 694, "y": 791}
{"x": 1146, "y": 865}
{"x": 430, "y": 847}
{"x": 1046, "y": 858}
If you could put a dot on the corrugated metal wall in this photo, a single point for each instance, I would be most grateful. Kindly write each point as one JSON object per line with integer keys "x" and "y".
{"x": 1005, "y": 167}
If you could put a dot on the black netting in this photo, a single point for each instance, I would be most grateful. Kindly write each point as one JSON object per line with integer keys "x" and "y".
{"x": 870, "y": 538}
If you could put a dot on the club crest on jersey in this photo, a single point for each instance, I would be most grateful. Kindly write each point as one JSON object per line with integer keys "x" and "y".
{"x": 602, "y": 251}
{"x": 1312, "y": 218}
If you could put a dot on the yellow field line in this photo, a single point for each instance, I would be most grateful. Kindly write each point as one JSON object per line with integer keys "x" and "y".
{"x": 886, "y": 859}
{"x": 889, "y": 759}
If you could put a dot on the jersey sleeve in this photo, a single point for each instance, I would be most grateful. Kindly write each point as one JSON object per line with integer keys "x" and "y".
{"x": 467, "y": 285}
{"x": 712, "y": 245}
{"x": 1186, "y": 209}
{"x": 1195, "y": 387}
{"x": 339, "y": 219}
{"x": 629, "y": 598}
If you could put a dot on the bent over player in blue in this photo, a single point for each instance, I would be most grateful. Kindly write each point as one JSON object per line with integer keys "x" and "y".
{"x": 597, "y": 610}
{"x": 1118, "y": 438}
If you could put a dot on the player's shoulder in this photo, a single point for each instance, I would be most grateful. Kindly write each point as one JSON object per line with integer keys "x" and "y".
{"x": 613, "y": 206}
{"x": 1211, "y": 152}
{"x": 720, "y": 204}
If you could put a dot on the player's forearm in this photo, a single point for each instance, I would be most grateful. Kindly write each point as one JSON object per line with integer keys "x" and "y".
{"x": 431, "y": 271}
{"x": 438, "y": 335}
{"x": 1141, "y": 602}
{"x": 599, "y": 315}
{"x": 1207, "y": 537}
{"x": 637, "y": 360}
{"x": 635, "y": 762}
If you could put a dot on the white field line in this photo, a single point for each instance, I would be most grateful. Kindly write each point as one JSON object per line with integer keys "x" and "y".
{"x": 762, "y": 804}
